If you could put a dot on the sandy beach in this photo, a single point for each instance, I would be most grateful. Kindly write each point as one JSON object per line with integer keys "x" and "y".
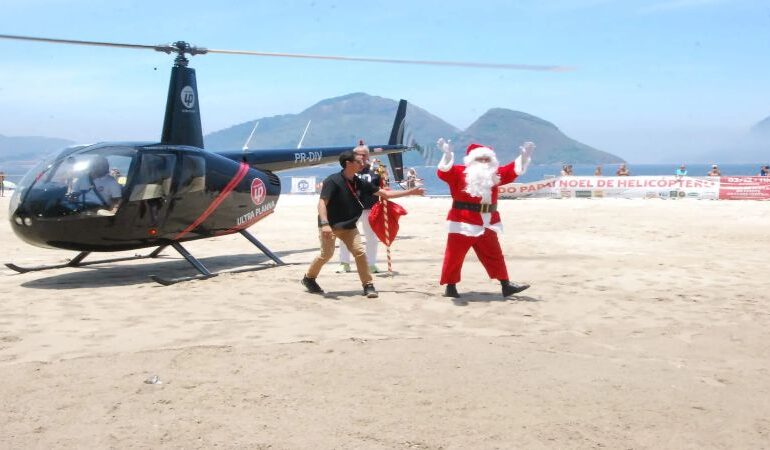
{"x": 645, "y": 327}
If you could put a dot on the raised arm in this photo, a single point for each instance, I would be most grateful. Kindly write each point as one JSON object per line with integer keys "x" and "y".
{"x": 448, "y": 158}
{"x": 396, "y": 194}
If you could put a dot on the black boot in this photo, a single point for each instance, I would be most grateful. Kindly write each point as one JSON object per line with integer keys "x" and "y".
{"x": 311, "y": 285}
{"x": 512, "y": 288}
{"x": 451, "y": 291}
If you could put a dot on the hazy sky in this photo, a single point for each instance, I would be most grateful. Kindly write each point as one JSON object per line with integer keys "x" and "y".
{"x": 658, "y": 80}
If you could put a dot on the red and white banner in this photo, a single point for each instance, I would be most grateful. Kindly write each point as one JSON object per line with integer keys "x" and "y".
{"x": 744, "y": 188}
{"x": 673, "y": 187}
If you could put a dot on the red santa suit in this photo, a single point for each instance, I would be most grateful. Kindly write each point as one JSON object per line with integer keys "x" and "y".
{"x": 473, "y": 221}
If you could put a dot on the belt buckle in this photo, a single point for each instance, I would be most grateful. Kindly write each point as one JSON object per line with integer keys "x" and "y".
{"x": 485, "y": 207}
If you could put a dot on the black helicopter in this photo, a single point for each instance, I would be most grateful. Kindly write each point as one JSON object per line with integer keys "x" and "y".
{"x": 125, "y": 196}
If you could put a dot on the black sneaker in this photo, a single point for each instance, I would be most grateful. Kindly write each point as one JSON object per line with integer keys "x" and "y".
{"x": 370, "y": 291}
{"x": 451, "y": 291}
{"x": 512, "y": 288}
{"x": 311, "y": 285}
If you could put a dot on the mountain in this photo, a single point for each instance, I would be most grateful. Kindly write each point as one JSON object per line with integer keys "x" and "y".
{"x": 346, "y": 119}
{"x": 333, "y": 122}
{"x": 761, "y": 128}
{"x": 20, "y": 149}
{"x": 504, "y": 130}
{"x": 18, "y": 154}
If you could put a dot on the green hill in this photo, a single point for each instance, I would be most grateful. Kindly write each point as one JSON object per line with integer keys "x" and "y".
{"x": 504, "y": 130}
{"x": 345, "y": 120}
{"x": 20, "y": 153}
{"x": 333, "y": 122}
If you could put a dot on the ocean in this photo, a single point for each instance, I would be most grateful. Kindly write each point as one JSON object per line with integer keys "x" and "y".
{"x": 434, "y": 186}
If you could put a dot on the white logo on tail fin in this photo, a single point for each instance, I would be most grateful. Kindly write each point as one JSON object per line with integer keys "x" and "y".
{"x": 188, "y": 97}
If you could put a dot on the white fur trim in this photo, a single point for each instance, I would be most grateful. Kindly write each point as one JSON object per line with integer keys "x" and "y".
{"x": 446, "y": 162}
{"x": 469, "y": 229}
{"x": 478, "y": 153}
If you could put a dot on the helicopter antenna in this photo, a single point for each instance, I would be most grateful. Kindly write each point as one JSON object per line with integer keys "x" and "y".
{"x": 299, "y": 145}
{"x": 181, "y": 48}
{"x": 246, "y": 144}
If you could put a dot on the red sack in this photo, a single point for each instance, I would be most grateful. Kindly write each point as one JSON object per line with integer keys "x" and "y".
{"x": 377, "y": 221}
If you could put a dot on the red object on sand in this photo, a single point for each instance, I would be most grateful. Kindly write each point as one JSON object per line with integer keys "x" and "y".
{"x": 394, "y": 213}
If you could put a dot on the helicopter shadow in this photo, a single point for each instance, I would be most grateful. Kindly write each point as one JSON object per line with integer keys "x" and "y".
{"x": 169, "y": 266}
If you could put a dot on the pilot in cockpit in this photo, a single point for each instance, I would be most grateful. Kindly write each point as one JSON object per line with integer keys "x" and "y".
{"x": 98, "y": 188}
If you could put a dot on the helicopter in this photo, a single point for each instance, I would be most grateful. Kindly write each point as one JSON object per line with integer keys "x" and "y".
{"x": 119, "y": 196}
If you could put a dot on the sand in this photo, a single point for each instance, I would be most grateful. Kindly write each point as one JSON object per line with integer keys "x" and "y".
{"x": 645, "y": 327}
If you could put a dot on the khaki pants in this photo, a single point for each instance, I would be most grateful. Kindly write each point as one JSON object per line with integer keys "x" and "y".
{"x": 352, "y": 240}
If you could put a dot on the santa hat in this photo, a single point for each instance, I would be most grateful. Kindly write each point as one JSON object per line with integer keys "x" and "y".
{"x": 475, "y": 151}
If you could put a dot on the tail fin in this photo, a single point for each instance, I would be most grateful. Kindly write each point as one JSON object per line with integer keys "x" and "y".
{"x": 397, "y": 138}
{"x": 182, "y": 123}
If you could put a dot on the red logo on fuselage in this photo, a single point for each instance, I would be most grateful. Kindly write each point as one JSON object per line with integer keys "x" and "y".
{"x": 258, "y": 191}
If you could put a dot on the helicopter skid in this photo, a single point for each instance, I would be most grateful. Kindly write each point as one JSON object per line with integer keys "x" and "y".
{"x": 205, "y": 273}
{"x": 77, "y": 261}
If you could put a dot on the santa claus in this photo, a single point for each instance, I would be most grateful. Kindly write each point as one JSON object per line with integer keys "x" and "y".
{"x": 473, "y": 220}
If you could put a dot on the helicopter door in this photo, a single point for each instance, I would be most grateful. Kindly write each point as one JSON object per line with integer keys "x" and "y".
{"x": 151, "y": 190}
{"x": 191, "y": 197}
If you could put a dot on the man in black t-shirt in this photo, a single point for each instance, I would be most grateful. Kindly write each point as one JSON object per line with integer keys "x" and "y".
{"x": 367, "y": 173}
{"x": 338, "y": 211}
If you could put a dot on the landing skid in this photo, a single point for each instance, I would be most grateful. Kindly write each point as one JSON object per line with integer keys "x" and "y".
{"x": 204, "y": 272}
{"x": 77, "y": 261}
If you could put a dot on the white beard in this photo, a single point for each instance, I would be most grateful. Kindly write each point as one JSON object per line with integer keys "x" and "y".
{"x": 480, "y": 178}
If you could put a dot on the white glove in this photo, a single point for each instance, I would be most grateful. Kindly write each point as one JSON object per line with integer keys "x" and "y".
{"x": 522, "y": 162}
{"x": 444, "y": 145}
{"x": 527, "y": 148}
{"x": 448, "y": 159}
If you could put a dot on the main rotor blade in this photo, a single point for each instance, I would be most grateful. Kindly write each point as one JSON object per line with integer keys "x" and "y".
{"x": 76, "y": 42}
{"x": 169, "y": 48}
{"x": 401, "y": 61}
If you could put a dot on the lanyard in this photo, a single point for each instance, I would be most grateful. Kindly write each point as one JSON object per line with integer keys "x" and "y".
{"x": 352, "y": 191}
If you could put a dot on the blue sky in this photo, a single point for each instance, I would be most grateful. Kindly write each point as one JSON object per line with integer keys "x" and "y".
{"x": 654, "y": 81}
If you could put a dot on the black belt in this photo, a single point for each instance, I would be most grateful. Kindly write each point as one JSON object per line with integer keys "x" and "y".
{"x": 475, "y": 207}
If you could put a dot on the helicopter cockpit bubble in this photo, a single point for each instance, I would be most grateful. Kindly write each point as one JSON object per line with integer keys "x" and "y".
{"x": 75, "y": 183}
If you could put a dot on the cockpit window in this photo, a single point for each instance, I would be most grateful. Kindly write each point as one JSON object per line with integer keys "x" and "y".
{"x": 87, "y": 181}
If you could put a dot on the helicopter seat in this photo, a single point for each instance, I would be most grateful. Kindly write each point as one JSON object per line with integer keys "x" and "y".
{"x": 147, "y": 192}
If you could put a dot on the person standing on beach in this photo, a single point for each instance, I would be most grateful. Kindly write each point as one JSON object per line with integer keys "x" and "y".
{"x": 473, "y": 219}
{"x": 366, "y": 174}
{"x": 681, "y": 171}
{"x": 339, "y": 208}
{"x": 2, "y": 184}
{"x": 622, "y": 171}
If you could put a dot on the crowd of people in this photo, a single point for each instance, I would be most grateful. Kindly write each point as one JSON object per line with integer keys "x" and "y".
{"x": 681, "y": 171}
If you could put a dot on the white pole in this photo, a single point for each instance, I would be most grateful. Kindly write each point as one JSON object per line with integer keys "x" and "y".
{"x": 299, "y": 145}
{"x": 246, "y": 144}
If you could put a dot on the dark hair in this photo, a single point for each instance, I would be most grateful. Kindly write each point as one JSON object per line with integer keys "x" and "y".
{"x": 345, "y": 156}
